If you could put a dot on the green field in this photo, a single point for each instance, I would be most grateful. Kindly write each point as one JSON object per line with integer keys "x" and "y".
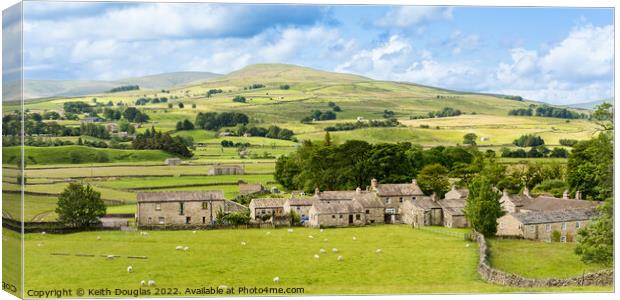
{"x": 411, "y": 261}
{"x": 535, "y": 259}
{"x": 78, "y": 154}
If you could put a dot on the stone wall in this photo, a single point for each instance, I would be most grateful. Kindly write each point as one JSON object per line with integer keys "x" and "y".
{"x": 488, "y": 273}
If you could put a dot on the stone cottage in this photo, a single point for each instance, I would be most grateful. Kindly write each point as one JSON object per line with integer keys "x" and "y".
{"x": 374, "y": 209}
{"x": 336, "y": 214}
{"x": 179, "y": 208}
{"x": 301, "y": 206}
{"x": 453, "y": 212}
{"x": 423, "y": 211}
{"x": 541, "y": 225}
{"x": 393, "y": 195}
{"x": 226, "y": 170}
{"x": 266, "y": 206}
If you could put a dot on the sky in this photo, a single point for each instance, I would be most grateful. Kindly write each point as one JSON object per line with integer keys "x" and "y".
{"x": 557, "y": 55}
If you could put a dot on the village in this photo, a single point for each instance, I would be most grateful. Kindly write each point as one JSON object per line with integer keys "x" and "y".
{"x": 534, "y": 217}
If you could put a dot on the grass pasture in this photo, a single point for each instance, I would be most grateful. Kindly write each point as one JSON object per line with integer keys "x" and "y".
{"x": 536, "y": 259}
{"x": 411, "y": 261}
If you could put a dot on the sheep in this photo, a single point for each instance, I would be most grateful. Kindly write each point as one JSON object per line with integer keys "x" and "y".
{"x": 378, "y": 251}
{"x": 151, "y": 282}
{"x": 322, "y": 230}
{"x": 43, "y": 232}
{"x": 276, "y": 279}
{"x": 144, "y": 233}
{"x": 243, "y": 243}
{"x": 310, "y": 237}
{"x": 467, "y": 246}
{"x": 268, "y": 233}
{"x": 142, "y": 283}
{"x": 354, "y": 238}
{"x": 316, "y": 256}
{"x": 179, "y": 248}
{"x": 322, "y": 250}
{"x": 185, "y": 248}
{"x": 340, "y": 258}
{"x": 129, "y": 269}
{"x": 194, "y": 232}
{"x": 334, "y": 250}
{"x": 98, "y": 238}
{"x": 290, "y": 230}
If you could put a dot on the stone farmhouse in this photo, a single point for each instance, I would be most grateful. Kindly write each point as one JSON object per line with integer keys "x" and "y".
{"x": 266, "y": 206}
{"x": 537, "y": 218}
{"x": 338, "y": 214}
{"x": 301, "y": 206}
{"x": 226, "y": 170}
{"x": 394, "y": 195}
{"x": 182, "y": 208}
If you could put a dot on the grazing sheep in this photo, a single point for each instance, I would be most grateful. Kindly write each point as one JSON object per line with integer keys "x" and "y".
{"x": 144, "y": 233}
{"x": 340, "y": 258}
{"x": 467, "y": 246}
{"x": 378, "y": 251}
{"x": 243, "y": 243}
{"x": 43, "y": 232}
{"x": 322, "y": 250}
{"x": 129, "y": 269}
{"x": 334, "y": 250}
{"x": 185, "y": 248}
{"x": 322, "y": 230}
{"x": 354, "y": 238}
{"x": 151, "y": 283}
{"x": 268, "y": 233}
{"x": 290, "y": 230}
{"x": 142, "y": 283}
{"x": 179, "y": 248}
{"x": 98, "y": 238}
{"x": 316, "y": 256}
{"x": 276, "y": 279}
{"x": 310, "y": 237}
{"x": 194, "y": 232}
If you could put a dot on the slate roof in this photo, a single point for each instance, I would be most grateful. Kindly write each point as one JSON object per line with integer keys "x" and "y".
{"x": 462, "y": 193}
{"x": 338, "y": 208}
{"x": 541, "y": 217}
{"x": 301, "y": 201}
{"x": 231, "y": 206}
{"x": 453, "y": 206}
{"x": 335, "y": 195}
{"x": 425, "y": 203}
{"x": 368, "y": 200}
{"x": 546, "y": 203}
{"x": 398, "y": 189}
{"x": 180, "y": 196}
{"x": 268, "y": 202}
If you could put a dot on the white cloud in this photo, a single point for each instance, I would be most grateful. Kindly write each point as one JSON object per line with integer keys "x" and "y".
{"x": 406, "y": 16}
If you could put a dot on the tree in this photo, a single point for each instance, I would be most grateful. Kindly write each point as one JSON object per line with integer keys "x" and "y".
{"x": 483, "y": 207}
{"x": 590, "y": 167}
{"x": 327, "y": 139}
{"x": 181, "y": 105}
{"x": 434, "y": 179}
{"x": 604, "y": 116}
{"x": 470, "y": 139}
{"x": 595, "y": 242}
{"x": 80, "y": 206}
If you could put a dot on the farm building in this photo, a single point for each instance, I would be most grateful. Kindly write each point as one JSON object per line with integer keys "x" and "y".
{"x": 179, "y": 208}
{"x": 266, "y": 206}
{"x": 374, "y": 209}
{"x": 453, "y": 212}
{"x": 301, "y": 206}
{"x": 336, "y": 214}
{"x": 247, "y": 189}
{"x": 226, "y": 170}
{"x": 393, "y": 195}
{"x": 543, "y": 225}
{"x": 423, "y": 211}
{"x": 172, "y": 161}
{"x": 527, "y": 203}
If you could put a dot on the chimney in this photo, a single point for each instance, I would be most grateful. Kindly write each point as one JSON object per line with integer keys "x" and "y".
{"x": 373, "y": 183}
{"x": 434, "y": 197}
{"x": 454, "y": 187}
{"x": 316, "y": 191}
{"x": 505, "y": 193}
{"x": 358, "y": 190}
{"x": 526, "y": 192}
{"x": 578, "y": 195}
{"x": 414, "y": 182}
{"x": 565, "y": 195}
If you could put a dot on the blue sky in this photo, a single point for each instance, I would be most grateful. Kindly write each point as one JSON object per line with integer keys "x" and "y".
{"x": 558, "y": 55}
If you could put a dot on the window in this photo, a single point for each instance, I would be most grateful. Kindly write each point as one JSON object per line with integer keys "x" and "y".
{"x": 205, "y": 205}
{"x": 188, "y": 220}
{"x": 372, "y": 221}
{"x": 340, "y": 216}
{"x": 547, "y": 227}
{"x": 577, "y": 224}
{"x": 564, "y": 226}
{"x": 358, "y": 217}
{"x": 387, "y": 201}
{"x": 162, "y": 220}
{"x": 368, "y": 211}
{"x": 532, "y": 228}
{"x": 400, "y": 200}
{"x": 298, "y": 208}
{"x": 390, "y": 210}
{"x": 333, "y": 216}
{"x": 413, "y": 198}
{"x": 150, "y": 220}
{"x": 181, "y": 207}
{"x": 563, "y": 239}
{"x": 204, "y": 220}
{"x": 157, "y": 206}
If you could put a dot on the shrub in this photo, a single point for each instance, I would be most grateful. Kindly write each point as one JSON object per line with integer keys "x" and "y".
{"x": 556, "y": 236}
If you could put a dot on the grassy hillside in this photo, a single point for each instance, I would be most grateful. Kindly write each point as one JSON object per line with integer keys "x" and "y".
{"x": 79, "y": 154}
